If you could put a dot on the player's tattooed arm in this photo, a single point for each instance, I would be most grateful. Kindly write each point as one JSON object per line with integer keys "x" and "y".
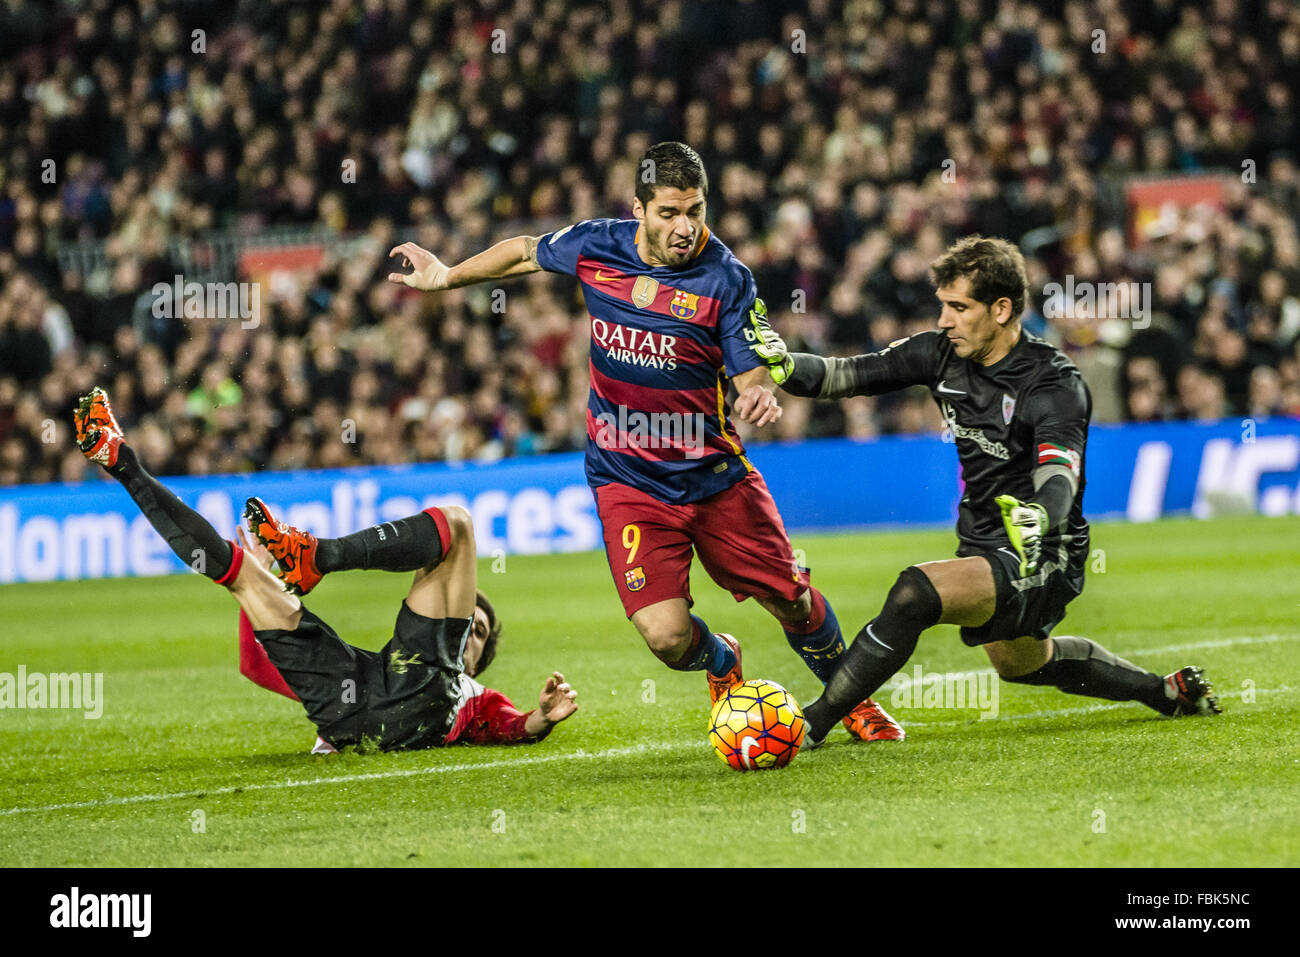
{"x": 510, "y": 257}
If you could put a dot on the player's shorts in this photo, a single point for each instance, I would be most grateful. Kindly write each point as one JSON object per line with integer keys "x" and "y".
{"x": 403, "y": 696}
{"x": 1033, "y": 605}
{"x": 737, "y": 533}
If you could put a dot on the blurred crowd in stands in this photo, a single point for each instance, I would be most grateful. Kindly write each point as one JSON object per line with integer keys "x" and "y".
{"x": 847, "y": 144}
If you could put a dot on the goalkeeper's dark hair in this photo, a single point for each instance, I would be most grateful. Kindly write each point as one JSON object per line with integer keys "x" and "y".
{"x": 994, "y": 267}
{"x": 494, "y": 634}
{"x": 670, "y": 164}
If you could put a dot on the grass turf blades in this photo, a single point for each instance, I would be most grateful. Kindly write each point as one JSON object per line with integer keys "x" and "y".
{"x": 631, "y": 779}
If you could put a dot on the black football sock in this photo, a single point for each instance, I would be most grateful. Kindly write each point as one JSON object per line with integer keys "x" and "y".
{"x": 400, "y": 546}
{"x": 189, "y": 534}
{"x": 881, "y": 648}
{"x": 1081, "y": 666}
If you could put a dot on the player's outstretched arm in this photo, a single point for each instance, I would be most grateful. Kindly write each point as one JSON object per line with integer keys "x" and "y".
{"x": 804, "y": 375}
{"x": 818, "y": 377}
{"x": 911, "y": 361}
{"x": 556, "y": 702}
{"x": 510, "y": 257}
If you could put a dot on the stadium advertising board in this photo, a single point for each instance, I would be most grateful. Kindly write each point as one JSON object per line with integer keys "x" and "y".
{"x": 541, "y": 505}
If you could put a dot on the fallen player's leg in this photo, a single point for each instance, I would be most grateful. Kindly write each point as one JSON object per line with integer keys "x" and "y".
{"x": 417, "y": 689}
{"x": 403, "y": 545}
{"x": 189, "y": 535}
{"x": 410, "y": 694}
{"x": 255, "y": 664}
{"x": 446, "y": 576}
{"x": 446, "y": 588}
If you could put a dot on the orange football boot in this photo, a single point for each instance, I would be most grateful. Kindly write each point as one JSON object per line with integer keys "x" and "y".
{"x": 870, "y": 722}
{"x": 98, "y": 435}
{"x": 293, "y": 549}
{"x": 720, "y": 686}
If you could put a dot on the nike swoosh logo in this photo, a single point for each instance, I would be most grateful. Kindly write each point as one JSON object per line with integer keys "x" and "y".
{"x": 600, "y": 278}
{"x": 942, "y": 388}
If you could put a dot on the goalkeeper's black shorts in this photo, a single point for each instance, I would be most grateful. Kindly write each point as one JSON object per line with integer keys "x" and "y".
{"x": 1033, "y": 605}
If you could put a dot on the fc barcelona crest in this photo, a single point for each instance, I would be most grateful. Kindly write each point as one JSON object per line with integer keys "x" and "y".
{"x": 1008, "y": 408}
{"x": 684, "y": 304}
{"x": 644, "y": 291}
{"x": 635, "y": 577}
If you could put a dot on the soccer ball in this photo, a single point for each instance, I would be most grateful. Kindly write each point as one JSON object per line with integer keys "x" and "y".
{"x": 756, "y": 725}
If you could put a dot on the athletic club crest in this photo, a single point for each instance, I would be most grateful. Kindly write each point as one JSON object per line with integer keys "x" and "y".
{"x": 644, "y": 291}
{"x": 1008, "y": 408}
{"x": 684, "y": 304}
{"x": 636, "y": 576}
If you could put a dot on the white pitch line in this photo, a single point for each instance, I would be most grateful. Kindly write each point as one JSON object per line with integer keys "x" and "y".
{"x": 1215, "y": 643}
{"x": 349, "y": 778}
{"x": 615, "y": 752}
{"x": 522, "y": 762}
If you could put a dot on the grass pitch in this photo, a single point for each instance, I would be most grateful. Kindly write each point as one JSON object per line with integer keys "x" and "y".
{"x": 192, "y": 765}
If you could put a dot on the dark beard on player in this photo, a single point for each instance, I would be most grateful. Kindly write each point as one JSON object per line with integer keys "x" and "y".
{"x": 673, "y": 257}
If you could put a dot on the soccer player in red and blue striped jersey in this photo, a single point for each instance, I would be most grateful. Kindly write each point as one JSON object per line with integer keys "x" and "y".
{"x": 675, "y": 321}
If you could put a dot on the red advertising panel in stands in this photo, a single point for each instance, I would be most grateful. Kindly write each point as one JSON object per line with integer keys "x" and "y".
{"x": 264, "y": 262}
{"x": 1156, "y": 205}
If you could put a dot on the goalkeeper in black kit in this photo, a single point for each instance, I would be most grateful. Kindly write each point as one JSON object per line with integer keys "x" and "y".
{"x": 1018, "y": 411}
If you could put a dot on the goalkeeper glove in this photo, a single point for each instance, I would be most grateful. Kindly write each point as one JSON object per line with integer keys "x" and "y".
{"x": 767, "y": 344}
{"x": 1025, "y": 523}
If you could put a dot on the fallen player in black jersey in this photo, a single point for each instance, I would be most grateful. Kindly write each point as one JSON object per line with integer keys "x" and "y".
{"x": 1018, "y": 411}
{"x": 417, "y": 691}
